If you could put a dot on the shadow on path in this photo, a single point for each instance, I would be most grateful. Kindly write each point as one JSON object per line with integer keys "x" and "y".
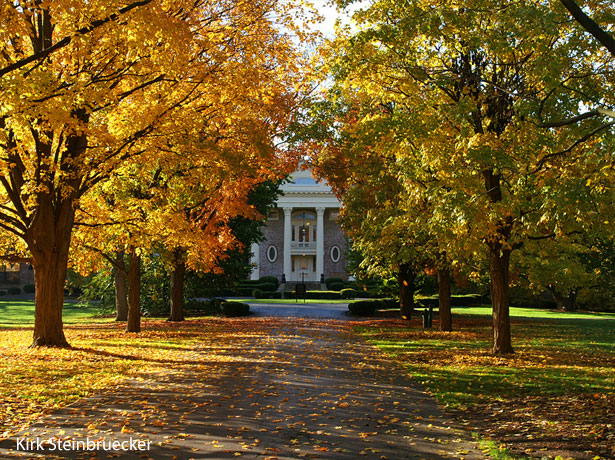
{"x": 291, "y": 389}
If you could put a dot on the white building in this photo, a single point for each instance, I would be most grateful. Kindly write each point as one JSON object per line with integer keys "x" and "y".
{"x": 303, "y": 241}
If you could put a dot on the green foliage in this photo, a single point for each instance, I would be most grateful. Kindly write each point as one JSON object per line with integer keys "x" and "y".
{"x": 29, "y": 289}
{"x": 234, "y": 309}
{"x": 270, "y": 279}
{"x": 348, "y": 293}
{"x": 259, "y": 294}
{"x": 363, "y": 307}
{"x": 155, "y": 287}
{"x": 99, "y": 289}
{"x": 210, "y": 307}
{"x": 14, "y": 290}
{"x": 334, "y": 282}
{"x": 322, "y": 295}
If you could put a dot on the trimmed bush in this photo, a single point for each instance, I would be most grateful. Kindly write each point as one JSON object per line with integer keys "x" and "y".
{"x": 14, "y": 290}
{"x": 262, "y": 286}
{"x": 316, "y": 295}
{"x": 270, "y": 280}
{"x": 362, "y": 308}
{"x": 244, "y": 291}
{"x": 334, "y": 281}
{"x": 208, "y": 307}
{"x": 335, "y": 286}
{"x": 2, "y": 293}
{"x": 258, "y": 294}
{"x": 29, "y": 288}
{"x": 348, "y": 293}
{"x": 235, "y": 309}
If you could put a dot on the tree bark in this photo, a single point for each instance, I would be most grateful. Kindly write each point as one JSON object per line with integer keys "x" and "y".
{"x": 444, "y": 300}
{"x": 134, "y": 292}
{"x": 605, "y": 39}
{"x": 48, "y": 240}
{"x": 121, "y": 288}
{"x": 177, "y": 292}
{"x": 49, "y": 278}
{"x": 499, "y": 268}
{"x": 406, "y": 279}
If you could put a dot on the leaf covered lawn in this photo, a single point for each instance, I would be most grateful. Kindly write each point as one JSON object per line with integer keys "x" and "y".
{"x": 554, "y": 396}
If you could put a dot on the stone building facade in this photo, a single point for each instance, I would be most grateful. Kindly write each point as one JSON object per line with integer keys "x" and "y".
{"x": 302, "y": 239}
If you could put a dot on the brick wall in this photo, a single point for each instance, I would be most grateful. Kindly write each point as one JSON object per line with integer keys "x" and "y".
{"x": 334, "y": 236}
{"x": 274, "y": 235}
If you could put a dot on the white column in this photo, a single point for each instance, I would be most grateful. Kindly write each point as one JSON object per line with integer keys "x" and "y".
{"x": 287, "y": 237}
{"x": 320, "y": 242}
{"x": 255, "y": 261}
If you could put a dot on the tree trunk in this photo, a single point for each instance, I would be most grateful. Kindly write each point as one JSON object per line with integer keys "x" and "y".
{"x": 444, "y": 300}
{"x": 121, "y": 288}
{"x": 49, "y": 279}
{"x": 49, "y": 240}
{"x": 406, "y": 291}
{"x": 177, "y": 292}
{"x": 134, "y": 292}
{"x": 499, "y": 265}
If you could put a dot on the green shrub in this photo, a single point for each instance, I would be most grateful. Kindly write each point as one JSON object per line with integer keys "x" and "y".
{"x": 262, "y": 286}
{"x": 258, "y": 294}
{"x": 209, "y": 307}
{"x": 2, "y": 293}
{"x": 270, "y": 280}
{"x": 29, "y": 288}
{"x": 334, "y": 281}
{"x": 235, "y": 309}
{"x": 335, "y": 286}
{"x": 348, "y": 293}
{"x": 362, "y": 308}
{"x": 317, "y": 295}
{"x": 14, "y": 290}
{"x": 244, "y": 291}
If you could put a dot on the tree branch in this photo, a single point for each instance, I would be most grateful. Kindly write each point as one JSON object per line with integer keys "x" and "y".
{"x": 66, "y": 40}
{"x": 590, "y": 25}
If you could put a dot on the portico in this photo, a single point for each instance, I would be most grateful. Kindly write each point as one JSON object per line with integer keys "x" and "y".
{"x": 308, "y": 213}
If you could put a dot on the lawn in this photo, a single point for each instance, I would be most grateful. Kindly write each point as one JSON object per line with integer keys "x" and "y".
{"x": 34, "y": 382}
{"x": 15, "y": 313}
{"x": 554, "y": 396}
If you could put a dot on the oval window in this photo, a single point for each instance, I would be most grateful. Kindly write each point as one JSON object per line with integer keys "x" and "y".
{"x": 336, "y": 254}
{"x": 272, "y": 254}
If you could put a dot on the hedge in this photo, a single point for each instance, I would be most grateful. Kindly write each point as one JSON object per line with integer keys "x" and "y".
{"x": 268, "y": 286}
{"x": 348, "y": 293}
{"x": 258, "y": 294}
{"x": 362, "y": 307}
{"x": 14, "y": 290}
{"x": 234, "y": 309}
{"x": 29, "y": 288}
{"x": 317, "y": 295}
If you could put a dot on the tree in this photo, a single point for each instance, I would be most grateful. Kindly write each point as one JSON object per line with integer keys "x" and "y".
{"x": 89, "y": 86}
{"x": 471, "y": 86}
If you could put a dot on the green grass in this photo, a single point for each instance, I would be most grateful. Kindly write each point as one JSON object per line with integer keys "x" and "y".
{"x": 293, "y": 302}
{"x": 15, "y": 313}
{"x": 519, "y": 312}
{"x": 562, "y": 372}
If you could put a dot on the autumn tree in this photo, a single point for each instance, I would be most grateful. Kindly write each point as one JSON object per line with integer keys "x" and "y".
{"x": 89, "y": 86}
{"x": 472, "y": 85}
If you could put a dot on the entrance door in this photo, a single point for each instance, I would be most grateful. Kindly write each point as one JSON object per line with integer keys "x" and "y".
{"x": 303, "y": 265}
